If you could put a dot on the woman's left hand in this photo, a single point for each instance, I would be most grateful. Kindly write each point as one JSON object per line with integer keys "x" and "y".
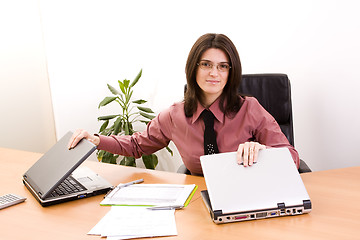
{"x": 247, "y": 153}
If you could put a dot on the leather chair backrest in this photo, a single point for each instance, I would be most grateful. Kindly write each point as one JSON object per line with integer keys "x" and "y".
{"x": 273, "y": 91}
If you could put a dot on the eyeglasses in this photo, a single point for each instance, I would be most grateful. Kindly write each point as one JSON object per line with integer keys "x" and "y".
{"x": 207, "y": 65}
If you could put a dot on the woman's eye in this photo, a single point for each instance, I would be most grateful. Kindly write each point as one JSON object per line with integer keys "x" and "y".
{"x": 224, "y": 66}
{"x": 205, "y": 64}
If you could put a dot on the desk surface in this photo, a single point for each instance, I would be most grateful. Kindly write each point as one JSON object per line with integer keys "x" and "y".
{"x": 335, "y": 195}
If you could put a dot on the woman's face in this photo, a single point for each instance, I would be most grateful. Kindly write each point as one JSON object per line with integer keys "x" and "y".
{"x": 212, "y": 74}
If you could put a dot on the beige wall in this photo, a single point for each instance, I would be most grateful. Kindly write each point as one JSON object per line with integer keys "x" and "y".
{"x": 26, "y": 116}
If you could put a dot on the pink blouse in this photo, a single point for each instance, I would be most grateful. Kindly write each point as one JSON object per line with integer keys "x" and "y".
{"x": 251, "y": 123}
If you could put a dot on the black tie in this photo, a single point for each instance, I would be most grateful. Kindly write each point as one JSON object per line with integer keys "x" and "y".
{"x": 210, "y": 146}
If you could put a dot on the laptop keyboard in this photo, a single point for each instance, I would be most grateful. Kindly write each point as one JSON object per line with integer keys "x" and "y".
{"x": 68, "y": 186}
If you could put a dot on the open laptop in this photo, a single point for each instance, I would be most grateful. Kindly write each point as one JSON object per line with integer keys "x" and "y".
{"x": 270, "y": 188}
{"x": 56, "y": 178}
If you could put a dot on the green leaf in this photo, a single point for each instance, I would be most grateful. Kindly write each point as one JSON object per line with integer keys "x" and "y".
{"x": 139, "y": 101}
{"x": 117, "y": 126}
{"x": 100, "y": 155}
{"x": 126, "y": 83}
{"x": 128, "y": 161}
{"x": 144, "y": 109}
{"x": 122, "y": 87}
{"x": 102, "y": 118}
{"x": 136, "y": 79}
{"x": 104, "y": 125}
{"x": 150, "y": 161}
{"x": 144, "y": 121}
{"x": 148, "y": 116}
{"x": 106, "y": 101}
{"x": 126, "y": 129}
{"x": 109, "y": 158}
{"x": 121, "y": 101}
{"x": 130, "y": 95}
{"x": 170, "y": 151}
{"x": 113, "y": 159}
{"x": 113, "y": 90}
{"x": 131, "y": 129}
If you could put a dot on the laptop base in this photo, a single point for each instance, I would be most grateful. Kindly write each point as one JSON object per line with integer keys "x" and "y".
{"x": 52, "y": 201}
{"x": 218, "y": 217}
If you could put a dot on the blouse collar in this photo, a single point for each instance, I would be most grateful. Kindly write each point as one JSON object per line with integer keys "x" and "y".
{"x": 214, "y": 108}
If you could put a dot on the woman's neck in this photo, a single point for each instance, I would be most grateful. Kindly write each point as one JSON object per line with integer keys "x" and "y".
{"x": 207, "y": 101}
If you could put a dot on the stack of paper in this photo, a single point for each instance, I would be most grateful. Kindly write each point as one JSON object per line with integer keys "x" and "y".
{"x": 123, "y": 222}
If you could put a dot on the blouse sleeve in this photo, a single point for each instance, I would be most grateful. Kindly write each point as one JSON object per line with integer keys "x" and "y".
{"x": 268, "y": 131}
{"x": 155, "y": 137}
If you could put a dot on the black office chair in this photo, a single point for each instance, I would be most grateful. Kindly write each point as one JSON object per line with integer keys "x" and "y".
{"x": 273, "y": 91}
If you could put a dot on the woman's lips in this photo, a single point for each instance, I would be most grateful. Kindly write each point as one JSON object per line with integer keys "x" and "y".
{"x": 212, "y": 81}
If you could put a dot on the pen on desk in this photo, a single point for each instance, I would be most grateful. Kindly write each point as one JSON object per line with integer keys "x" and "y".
{"x": 166, "y": 207}
{"x": 121, "y": 185}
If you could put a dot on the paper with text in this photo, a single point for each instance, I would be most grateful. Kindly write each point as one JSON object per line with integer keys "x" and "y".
{"x": 123, "y": 222}
{"x": 151, "y": 195}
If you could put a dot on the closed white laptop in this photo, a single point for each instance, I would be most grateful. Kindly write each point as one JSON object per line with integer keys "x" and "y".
{"x": 270, "y": 188}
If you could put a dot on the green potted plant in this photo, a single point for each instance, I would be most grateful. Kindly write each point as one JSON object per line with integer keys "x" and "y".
{"x": 122, "y": 123}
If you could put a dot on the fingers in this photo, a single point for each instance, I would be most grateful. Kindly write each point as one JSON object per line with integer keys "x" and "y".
{"x": 248, "y": 152}
{"x": 78, "y": 135}
{"x": 239, "y": 154}
{"x": 251, "y": 151}
{"x": 257, "y": 148}
{"x": 75, "y": 139}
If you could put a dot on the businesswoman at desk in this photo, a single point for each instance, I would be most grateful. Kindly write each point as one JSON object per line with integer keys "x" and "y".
{"x": 212, "y": 118}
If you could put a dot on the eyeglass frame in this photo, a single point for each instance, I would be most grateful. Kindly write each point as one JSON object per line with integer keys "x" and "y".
{"x": 211, "y": 65}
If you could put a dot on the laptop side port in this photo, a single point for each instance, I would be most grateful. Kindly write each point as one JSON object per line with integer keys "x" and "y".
{"x": 273, "y": 214}
{"x": 241, "y": 217}
{"x": 261, "y": 215}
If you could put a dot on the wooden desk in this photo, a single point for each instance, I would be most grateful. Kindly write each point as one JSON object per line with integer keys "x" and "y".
{"x": 335, "y": 195}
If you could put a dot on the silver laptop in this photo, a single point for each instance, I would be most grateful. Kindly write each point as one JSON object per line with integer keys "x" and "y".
{"x": 270, "y": 188}
{"x": 56, "y": 178}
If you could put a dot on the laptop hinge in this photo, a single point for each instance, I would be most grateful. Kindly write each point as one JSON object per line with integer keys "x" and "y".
{"x": 307, "y": 204}
{"x": 216, "y": 214}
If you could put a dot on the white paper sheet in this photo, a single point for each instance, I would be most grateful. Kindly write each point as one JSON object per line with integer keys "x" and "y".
{"x": 151, "y": 195}
{"x": 133, "y": 222}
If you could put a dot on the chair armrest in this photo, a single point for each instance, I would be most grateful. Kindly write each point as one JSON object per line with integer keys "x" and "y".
{"x": 183, "y": 169}
{"x": 303, "y": 168}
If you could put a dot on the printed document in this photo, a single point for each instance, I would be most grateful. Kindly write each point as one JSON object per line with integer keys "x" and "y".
{"x": 151, "y": 195}
{"x": 124, "y": 222}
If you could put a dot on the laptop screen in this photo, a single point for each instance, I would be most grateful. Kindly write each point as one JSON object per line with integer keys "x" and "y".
{"x": 57, "y": 164}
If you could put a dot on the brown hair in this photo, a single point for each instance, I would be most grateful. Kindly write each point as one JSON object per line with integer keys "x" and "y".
{"x": 230, "y": 95}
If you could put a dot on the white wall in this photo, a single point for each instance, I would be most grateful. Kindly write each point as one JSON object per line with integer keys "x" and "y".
{"x": 91, "y": 43}
{"x": 26, "y": 116}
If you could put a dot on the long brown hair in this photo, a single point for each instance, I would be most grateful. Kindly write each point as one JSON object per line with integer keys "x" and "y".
{"x": 230, "y": 95}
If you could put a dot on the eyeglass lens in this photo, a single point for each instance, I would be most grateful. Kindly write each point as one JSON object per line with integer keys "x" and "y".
{"x": 207, "y": 65}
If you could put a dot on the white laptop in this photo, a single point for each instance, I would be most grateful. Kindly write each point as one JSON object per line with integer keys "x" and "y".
{"x": 56, "y": 178}
{"x": 270, "y": 188}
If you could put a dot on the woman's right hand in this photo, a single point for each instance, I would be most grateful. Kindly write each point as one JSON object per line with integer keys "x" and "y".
{"x": 80, "y": 134}
{"x": 247, "y": 153}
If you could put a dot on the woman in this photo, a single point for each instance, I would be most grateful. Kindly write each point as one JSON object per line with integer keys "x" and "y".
{"x": 213, "y": 72}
